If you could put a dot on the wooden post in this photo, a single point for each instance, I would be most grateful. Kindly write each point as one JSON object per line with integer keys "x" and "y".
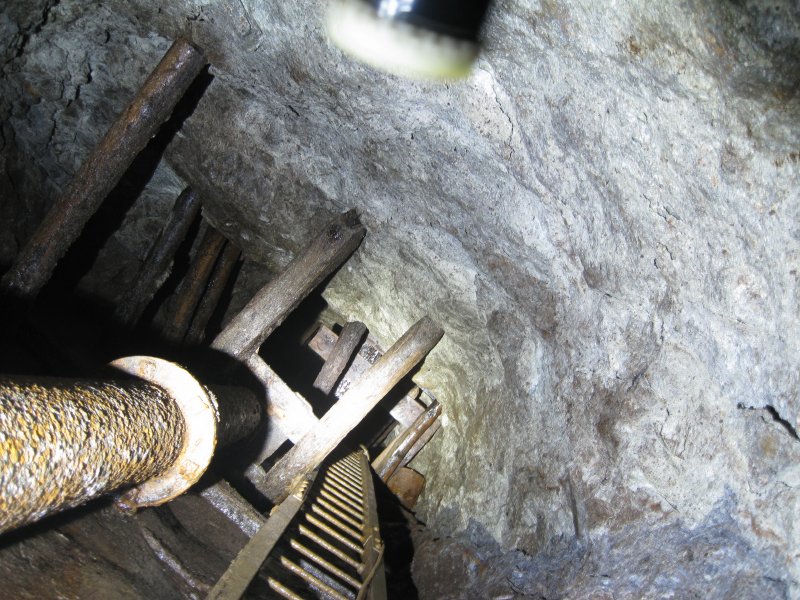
{"x": 216, "y": 286}
{"x": 421, "y": 442}
{"x": 346, "y": 345}
{"x": 183, "y": 304}
{"x": 391, "y": 458}
{"x": 159, "y": 260}
{"x": 404, "y": 412}
{"x": 290, "y": 415}
{"x": 354, "y": 405}
{"x": 269, "y": 307}
{"x": 103, "y": 168}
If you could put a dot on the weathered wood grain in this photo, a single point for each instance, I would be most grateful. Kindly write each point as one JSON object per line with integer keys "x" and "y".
{"x": 408, "y": 407}
{"x": 354, "y": 405}
{"x": 269, "y": 307}
{"x": 103, "y": 168}
{"x": 156, "y": 266}
{"x": 392, "y": 456}
{"x": 214, "y": 290}
{"x": 340, "y": 356}
{"x": 193, "y": 285}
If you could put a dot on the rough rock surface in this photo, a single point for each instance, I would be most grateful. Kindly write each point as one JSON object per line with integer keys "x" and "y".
{"x": 604, "y": 217}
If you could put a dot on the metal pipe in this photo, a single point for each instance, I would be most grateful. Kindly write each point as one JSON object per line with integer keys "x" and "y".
{"x": 64, "y": 442}
{"x": 103, "y": 168}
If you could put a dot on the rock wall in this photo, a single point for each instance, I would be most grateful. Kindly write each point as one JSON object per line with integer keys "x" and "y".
{"x": 604, "y": 218}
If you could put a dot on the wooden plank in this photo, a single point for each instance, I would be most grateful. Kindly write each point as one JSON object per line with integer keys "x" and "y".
{"x": 408, "y": 407}
{"x": 340, "y": 356}
{"x": 291, "y": 416}
{"x": 389, "y": 460}
{"x": 103, "y": 168}
{"x": 158, "y": 263}
{"x": 353, "y": 406}
{"x": 238, "y": 510}
{"x": 270, "y": 306}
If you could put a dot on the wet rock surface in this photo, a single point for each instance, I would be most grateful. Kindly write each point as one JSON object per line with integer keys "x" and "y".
{"x": 604, "y": 218}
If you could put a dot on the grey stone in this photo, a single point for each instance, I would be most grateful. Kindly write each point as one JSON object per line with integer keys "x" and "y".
{"x": 604, "y": 218}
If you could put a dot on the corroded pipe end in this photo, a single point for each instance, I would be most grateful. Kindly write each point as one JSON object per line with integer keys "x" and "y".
{"x": 200, "y": 414}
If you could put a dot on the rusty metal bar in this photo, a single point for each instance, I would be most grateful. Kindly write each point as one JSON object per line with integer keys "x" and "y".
{"x": 348, "y": 412}
{"x": 374, "y": 584}
{"x": 344, "y": 541}
{"x": 392, "y": 456}
{"x": 346, "y": 345}
{"x": 65, "y": 442}
{"x": 184, "y": 303}
{"x": 156, "y": 266}
{"x": 269, "y": 307}
{"x": 317, "y": 570}
{"x": 216, "y": 286}
{"x": 322, "y": 543}
{"x": 103, "y": 168}
{"x": 244, "y": 567}
{"x": 314, "y": 582}
{"x": 327, "y": 565}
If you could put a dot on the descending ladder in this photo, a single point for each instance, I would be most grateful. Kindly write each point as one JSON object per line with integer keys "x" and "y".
{"x": 323, "y": 541}
{"x": 322, "y": 536}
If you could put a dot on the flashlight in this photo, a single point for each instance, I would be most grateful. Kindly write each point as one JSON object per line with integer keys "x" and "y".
{"x": 423, "y": 39}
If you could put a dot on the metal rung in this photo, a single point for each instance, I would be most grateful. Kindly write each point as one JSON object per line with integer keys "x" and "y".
{"x": 311, "y": 579}
{"x": 330, "y": 497}
{"x": 347, "y": 471}
{"x": 343, "y": 516}
{"x": 283, "y": 590}
{"x": 356, "y": 535}
{"x": 358, "y": 566}
{"x": 344, "y": 484}
{"x": 331, "y": 568}
{"x": 352, "y": 470}
{"x": 334, "y": 534}
{"x": 333, "y": 480}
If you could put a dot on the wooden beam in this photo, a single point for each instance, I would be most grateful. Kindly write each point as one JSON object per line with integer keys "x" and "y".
{"x": 392, "y": 456}
{"x": 408, "y": 407}
{"x": 238, "y": 510}
{"x": 191, "y": 289}
{"x": 156, "y": 266}
{"x": 269, "y": 307}
{"x": 214, "y": 290}
{"x": 290, "y": 415}
{"x": 354, "y": 405}
{"x": 346, "y": 345}
{"x": 103, "y": 168}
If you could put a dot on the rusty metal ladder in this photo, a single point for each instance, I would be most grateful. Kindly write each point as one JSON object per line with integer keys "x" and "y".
{"x": 323, "y": 541}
